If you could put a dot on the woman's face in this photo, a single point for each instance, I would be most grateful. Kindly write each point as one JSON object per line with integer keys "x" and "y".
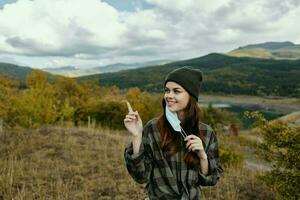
{"x": 176, "y": 97}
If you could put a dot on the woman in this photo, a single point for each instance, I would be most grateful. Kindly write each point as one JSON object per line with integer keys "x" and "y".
{"x": 176, "y": 153}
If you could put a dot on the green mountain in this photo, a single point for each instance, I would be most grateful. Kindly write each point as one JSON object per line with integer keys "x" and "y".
{"x": 268, "y": 50}
{"x": 19, "y": 73}
{"x": 14, "y": 72}
{"x": 222, "y": 74}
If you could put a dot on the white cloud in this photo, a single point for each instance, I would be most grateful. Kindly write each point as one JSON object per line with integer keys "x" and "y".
{"x": 90, "y": 32}
{"x": 44, "y": 27}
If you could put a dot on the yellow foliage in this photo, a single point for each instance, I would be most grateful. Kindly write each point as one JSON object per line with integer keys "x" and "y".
{"x": 8, "y": 93}
{"x": 148, "y": 106}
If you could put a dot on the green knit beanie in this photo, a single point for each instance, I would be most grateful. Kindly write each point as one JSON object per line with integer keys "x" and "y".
{"x": 188, "y": 78}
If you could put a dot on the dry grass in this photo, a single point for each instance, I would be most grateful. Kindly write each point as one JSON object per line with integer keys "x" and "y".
{"x": 241, "y": 183}
{"x": 73, "y": 163}
{"x": 57, "y": 163}
{"x": 238, "y": 184}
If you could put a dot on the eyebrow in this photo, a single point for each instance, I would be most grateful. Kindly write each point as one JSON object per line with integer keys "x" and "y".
{"x": 174, "y": 88}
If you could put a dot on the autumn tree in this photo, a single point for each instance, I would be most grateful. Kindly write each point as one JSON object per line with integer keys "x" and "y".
{"x": 8, "y": 93}
{"x": 36, "y": 104}
{"x": 75, "y": 99}
{"x": 147, "y": 105}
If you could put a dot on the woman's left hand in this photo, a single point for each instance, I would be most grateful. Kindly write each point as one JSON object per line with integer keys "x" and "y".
{"x": 194, "y": 143}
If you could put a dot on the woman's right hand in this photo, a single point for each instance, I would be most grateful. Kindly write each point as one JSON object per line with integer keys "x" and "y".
{"x": 133, "y": 122}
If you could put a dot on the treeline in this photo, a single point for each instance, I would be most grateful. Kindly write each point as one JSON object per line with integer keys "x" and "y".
{"x": 63, "y": 100}
{"x": 222, "y": 74}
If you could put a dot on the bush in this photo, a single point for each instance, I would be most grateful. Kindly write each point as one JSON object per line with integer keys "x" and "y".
{"x": 281, "y": 146}
{"x": 110, "y": 114}
{"x": 231, "y": 157}
{"x": 215, "y": 116}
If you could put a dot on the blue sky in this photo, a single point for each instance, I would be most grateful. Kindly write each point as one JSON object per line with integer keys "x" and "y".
{"x": 129, "y": 5}
{"x": 3, "y": 2}
{"x": 121, "y": 5}
{"x": 92, "y": 33}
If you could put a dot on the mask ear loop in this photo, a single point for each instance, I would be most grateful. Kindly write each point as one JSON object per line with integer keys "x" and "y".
{"x": 183, "y": 133}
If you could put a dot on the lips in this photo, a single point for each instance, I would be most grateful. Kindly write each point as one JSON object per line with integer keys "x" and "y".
{"x": 170, "y": 103}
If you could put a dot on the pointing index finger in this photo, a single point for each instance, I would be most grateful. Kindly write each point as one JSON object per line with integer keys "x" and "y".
{"x": 128, "y": 106}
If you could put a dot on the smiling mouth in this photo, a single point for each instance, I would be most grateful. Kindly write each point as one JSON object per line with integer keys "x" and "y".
{"x": 170, "y": 102}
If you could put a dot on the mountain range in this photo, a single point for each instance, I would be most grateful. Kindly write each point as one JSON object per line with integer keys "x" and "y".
{"x": 223, "y": 73}
{"x": 71, "y": 71}
{"x": 267, "y": 50}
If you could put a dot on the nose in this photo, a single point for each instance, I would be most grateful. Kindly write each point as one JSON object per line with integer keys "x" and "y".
{"x": 169, "y": 95}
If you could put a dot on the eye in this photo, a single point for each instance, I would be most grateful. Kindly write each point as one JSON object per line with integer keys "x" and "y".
{"x": 177, "y": 91}
{"x": 167, "y": 90}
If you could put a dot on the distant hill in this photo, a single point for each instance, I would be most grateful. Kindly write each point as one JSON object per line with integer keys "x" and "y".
{"x": 71, "y": 71}
{"x": 271, "y": 45}
{"x": 19, "y": 73}
{"x": 122, "y": 66}
{"x": 268, "y": 50}
{"x": 14, "y": 72}
{"x": 222, "y": 74}
{"x": 68, "y": 71}
{"x": 66, "y": 68}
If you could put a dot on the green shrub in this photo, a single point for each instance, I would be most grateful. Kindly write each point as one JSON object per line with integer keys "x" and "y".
{"x": 215, "y": 116}
{"x": 109, "y": 114}
{"x": 231, "y": 157}
{"x": 281, "y": 147}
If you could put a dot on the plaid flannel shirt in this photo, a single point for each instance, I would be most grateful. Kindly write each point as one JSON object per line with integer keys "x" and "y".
{"x": 170, "y": 178}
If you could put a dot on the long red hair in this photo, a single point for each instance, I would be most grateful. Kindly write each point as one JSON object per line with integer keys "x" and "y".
{"x": 171, "y": 141}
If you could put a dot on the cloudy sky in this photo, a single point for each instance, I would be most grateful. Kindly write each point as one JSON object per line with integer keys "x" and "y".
{"x": 53, "y": 33}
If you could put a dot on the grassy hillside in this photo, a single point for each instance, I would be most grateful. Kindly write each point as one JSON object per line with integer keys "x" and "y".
{"x": 268, "y": 50}
{"x": 56, "y": 163}
{"x": 77, "y": 163}
{"x": 253, "y": 52}
{"x": 293, "y": 119}
{"x": 271, "y": 45}
{"x": 222, "y": 74}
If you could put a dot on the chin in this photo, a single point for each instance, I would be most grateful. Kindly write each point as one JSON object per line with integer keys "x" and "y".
{"x": 173, "y": 108}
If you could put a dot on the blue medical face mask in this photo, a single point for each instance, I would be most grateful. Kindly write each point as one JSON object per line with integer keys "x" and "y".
{"x": 173, "y": 119}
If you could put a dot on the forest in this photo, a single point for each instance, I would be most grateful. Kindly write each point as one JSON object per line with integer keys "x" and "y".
{"x": 222, "y": 75}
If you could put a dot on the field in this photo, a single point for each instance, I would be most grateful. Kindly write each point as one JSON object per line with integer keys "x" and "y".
{"x": 80, "y": 163}
{"x": 67, "y": 162}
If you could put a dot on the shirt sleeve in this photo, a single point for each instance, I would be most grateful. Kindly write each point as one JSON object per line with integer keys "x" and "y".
{"x": 214, "y": 165}
{"x": 139, "y": 165}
